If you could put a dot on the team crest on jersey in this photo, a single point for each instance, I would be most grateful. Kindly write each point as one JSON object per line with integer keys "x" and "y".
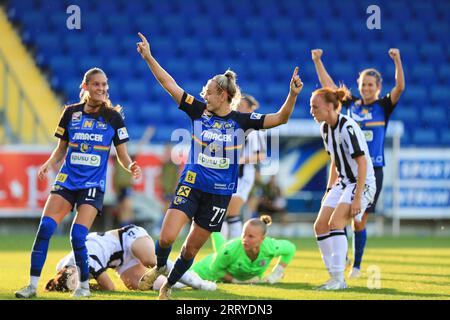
{"x": 88, "y": 124}
{"x": 84, "y": 147}
{"x": 184, "y": 191}
{"x": 214, "y": 147}
{"x": 122, "y": 133}
{"x": 255, "y": 116}
{"x": 190, "y": 177}
{"x": 262, "y": 263}
{"x": 179, "y": 200}
{"x": 101, "y": 125}
{"x": 76, "y": 116}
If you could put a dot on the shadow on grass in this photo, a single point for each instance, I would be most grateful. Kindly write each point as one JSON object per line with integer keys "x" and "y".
{"x": 445, "y": 276}
{"x": 434, "y": 283}
{"x": 395, "y": 292}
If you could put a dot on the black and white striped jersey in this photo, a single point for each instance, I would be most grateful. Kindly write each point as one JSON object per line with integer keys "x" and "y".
{"x": 344, "y": 143}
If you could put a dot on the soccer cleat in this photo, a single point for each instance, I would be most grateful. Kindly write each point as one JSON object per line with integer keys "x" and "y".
{"x": 147, "y": 280}
{"x": 26, "y": 292}
{"x": 81, "y": 292}
{"x": 165, "y": 292}
{"x": 355, "y": 273}
{"x": 333, "y": 284}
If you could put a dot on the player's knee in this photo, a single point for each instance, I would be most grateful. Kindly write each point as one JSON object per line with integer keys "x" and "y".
{"x": 359, "y": 226}
{"x": 335, "y": 224}
{"x": 320, "y": 227}
{"x": 78, "y": 236}
{"x": 149, "y": 262}
{"x": 166, "y": 240}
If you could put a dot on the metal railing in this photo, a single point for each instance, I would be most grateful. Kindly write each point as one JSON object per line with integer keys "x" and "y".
{"x": 14, "y": 128}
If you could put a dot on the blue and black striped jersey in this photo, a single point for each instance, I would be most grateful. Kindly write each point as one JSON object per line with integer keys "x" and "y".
{"x": 89, "y": 137}
{"x": 373, "y": 120}
{"x": 216, "y": 146}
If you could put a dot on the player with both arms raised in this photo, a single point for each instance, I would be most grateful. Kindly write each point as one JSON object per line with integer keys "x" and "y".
{"x": 210, "y": 176}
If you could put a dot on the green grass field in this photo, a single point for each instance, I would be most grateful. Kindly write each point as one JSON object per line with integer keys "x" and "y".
{"x": 410, "y": 268}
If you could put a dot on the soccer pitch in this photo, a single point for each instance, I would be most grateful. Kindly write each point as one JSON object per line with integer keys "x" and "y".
{"x": 393, "y": 268}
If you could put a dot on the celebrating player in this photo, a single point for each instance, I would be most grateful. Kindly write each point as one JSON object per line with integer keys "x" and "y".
{"x": 85, "y": 131}
{"x": 351, "y": 184}
{"x": 210, "y": 176}
{"x": 372, "y": 113}
{"x": 129, "y": 250}
{"x": 254, "y": 151}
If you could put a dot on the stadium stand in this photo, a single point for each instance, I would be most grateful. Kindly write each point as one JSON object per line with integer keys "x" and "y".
{"x": 194, "y": 40}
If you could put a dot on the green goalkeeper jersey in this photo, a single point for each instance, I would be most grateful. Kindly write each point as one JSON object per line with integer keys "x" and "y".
{"x": 230, "y": 257}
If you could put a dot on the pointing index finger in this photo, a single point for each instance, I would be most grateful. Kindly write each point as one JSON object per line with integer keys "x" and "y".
{"x": 295, "y": 72}
{"x": 143, "y": 38}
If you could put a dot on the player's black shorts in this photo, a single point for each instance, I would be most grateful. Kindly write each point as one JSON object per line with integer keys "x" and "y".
{"x": 206, "y": 209}
{"x": 379, "y": 183}
{"x": 91, "y": 196}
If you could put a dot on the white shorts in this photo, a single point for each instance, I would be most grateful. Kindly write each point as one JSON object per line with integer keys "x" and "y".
{"x": 129, "y": 260}
{"x": 243, "y": 189}
{"x": 339, "y": 194}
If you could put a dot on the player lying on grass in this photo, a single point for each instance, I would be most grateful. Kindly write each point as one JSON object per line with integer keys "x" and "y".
{"x": 129, "y": 250}
{"x": 245, "y": 259}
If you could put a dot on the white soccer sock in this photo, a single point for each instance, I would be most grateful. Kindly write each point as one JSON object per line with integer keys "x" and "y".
{"x": 191, "y": 279}
{"x": 324, "y": 242}
{"x": 84, "y": 284}
{"x": 235, "y": 228}
{"x": 339, "y": 247}
{"x": 224, "y": 230}
{"x": 34, "y": 281}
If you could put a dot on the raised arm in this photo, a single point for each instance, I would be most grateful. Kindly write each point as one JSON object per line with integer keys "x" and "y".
{"x": 324, "y": 77}
{"x": 166, "y": 81}
{"x": 397, "y": 91}
{"x": 282, "y": 116}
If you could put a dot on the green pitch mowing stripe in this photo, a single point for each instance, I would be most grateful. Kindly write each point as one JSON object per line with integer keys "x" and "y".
{"x": 400, "y": 268}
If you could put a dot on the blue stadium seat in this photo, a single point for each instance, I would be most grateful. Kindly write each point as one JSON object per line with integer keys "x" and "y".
{"x": 272, "y": 49}
{"x": 434, "y": 115}
{"x": 444, "y": 73}
{"x": 347, "y": 51}
{"x": 408, "y": 114}
{"x": 445, "y": 138}
{"x": 415, "y": 31}
{"x": 262, "y": 41}
{"x": 440, "y": 95}
{"x": 427, "y": 137}
{"x": 416, "y": 95}
{"x": 432, "y": 53}
{"x": 424, "y": 73}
